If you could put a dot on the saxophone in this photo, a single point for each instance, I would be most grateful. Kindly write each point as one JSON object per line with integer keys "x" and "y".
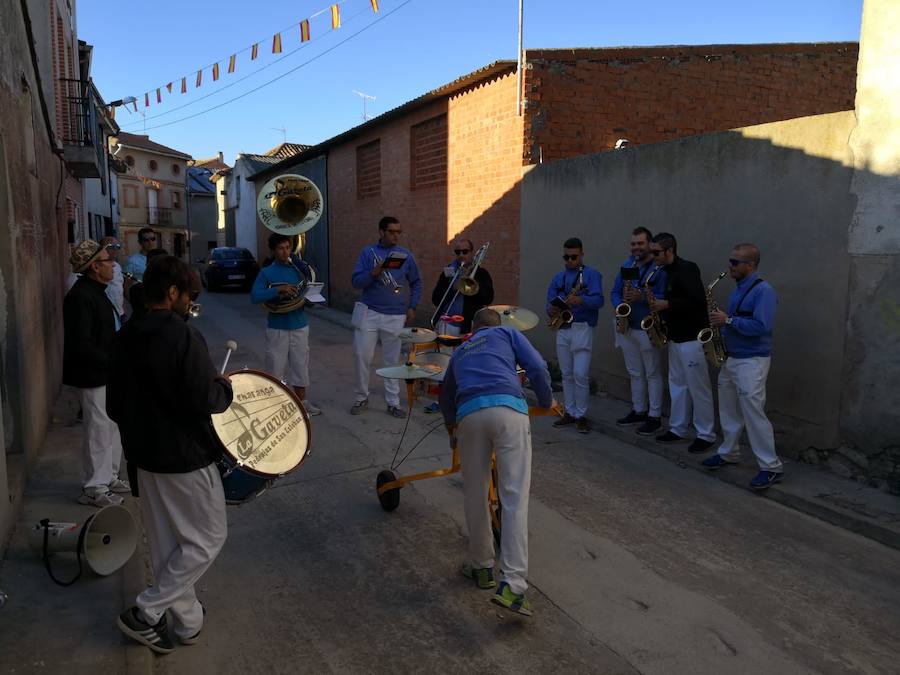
{"x": 652, "y": 324}
{"x": 711, "y": 338}
{"x": 623, "y": 309}
{"x": 566, "y": 316}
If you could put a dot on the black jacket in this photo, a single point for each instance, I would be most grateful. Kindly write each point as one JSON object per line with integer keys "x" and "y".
{"x": 162, "y": 389}
{"x": 89, "y": 326}
{"x": 686, "y": 315}
{"x": 471, "y": 303}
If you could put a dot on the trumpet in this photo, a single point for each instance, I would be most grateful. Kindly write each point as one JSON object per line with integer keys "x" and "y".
{"x": 386, "y": 277}
{"x": 467, "y": 284}
{"x": 653, "y": 324}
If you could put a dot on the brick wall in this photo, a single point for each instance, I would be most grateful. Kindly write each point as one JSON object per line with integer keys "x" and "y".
{"x": 582, "y": 101}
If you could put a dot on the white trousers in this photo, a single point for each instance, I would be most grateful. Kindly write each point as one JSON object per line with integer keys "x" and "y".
{"x": 507, "y": 434}
{"x": 101, "y": 445}
{"x": 372, "y": 327}
{"x": 573, "y": 350}
{"x": 184, "y": 519}
{"x": 690, "y": 391}
{"x": 642, "y": 361}
{"x": 742, "y": 402}
{"x": 287, "y": 355}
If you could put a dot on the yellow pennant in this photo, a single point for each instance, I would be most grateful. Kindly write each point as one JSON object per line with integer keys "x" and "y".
{"x": 335, "y": 16}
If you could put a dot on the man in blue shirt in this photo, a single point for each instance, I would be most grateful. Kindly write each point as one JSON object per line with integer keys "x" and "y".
{"x": 136, "y": 264}
{"x": 575, "y": 340}
{"x": 747, "y": 330}
{"x": 642, "y": 359}
{"x": 388, "y": 277}
{"x": 287, "y": 333}
{"x": 483, "y": 406}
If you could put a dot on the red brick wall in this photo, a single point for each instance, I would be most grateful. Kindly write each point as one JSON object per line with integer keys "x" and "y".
{"x": 582, "y": 101}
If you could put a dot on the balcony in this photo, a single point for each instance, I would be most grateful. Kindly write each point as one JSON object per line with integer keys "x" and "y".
{"x": 158, "y": 216}
{"x": 78, "y": 128}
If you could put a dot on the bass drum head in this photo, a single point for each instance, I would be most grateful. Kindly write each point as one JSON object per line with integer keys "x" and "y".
{"x": 265, "y": 430}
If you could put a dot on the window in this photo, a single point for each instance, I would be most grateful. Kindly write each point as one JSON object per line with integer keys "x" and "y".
{"x": 130, "y": 196}
{"x": 176, "y": 199}
{"x": 176, "y": 169}
{"x": 152, "y": 164}
{"x": 428, "y": 154}
{"x": 368, "y": 170}
{"x": 129, "y": 160}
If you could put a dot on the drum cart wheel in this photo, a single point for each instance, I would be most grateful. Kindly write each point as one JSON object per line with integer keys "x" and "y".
{"x": 389, "y": 499}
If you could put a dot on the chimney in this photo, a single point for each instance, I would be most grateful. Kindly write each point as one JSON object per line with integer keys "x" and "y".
{"x": 221, "y": 157}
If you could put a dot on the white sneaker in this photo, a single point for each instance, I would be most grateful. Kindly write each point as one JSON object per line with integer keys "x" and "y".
{"x": 311, "y": 408}
{"x": 120, "y": 486}
{"x": 100, "y": 499}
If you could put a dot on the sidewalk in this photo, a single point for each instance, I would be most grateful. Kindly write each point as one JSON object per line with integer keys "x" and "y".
{"x": 806, "y": 488}
{"x": 45, "y": 626}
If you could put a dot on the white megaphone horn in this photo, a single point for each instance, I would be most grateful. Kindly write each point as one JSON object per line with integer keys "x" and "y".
{"x": 107, "y": 540}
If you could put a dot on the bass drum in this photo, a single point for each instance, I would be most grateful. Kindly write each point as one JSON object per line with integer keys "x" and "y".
{"x": 264, "y": 434}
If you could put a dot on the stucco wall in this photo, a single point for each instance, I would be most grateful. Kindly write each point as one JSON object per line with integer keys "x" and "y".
{"x": 784, "y": 186}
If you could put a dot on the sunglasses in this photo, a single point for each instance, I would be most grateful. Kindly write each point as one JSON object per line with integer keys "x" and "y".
{"x": 389, "y": 231}
{"x": 734, "y": 262}
{"x": 461, "y": 251}
{"x": 574, "y": 256}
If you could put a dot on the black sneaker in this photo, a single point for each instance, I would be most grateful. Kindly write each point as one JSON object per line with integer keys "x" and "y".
{"x": 582, "y": 426}
{"x": 564, "y": 420}
{"x": 650, "y": 427}
{"x": 631, "y": 418}
{"x": 156, "y": 637}
{"x": 699, "y": 446}
{"x": 669, "y": 437}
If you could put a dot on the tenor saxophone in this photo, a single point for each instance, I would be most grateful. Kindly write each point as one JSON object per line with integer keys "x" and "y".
{"x": 652, "y": 324}
{"x": 711, "y": 338}
{"x": 565, "y": 316}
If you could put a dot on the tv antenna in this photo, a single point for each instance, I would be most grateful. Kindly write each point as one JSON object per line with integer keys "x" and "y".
{"x": 283, "y": 133}
{"x": 365, "y": 97}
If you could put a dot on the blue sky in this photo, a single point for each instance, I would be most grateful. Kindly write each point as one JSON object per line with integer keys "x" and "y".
{"x": 415, "y": 46}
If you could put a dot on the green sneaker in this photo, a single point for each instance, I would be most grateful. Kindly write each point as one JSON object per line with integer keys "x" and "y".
{"x": 516, "y": 603}
{"x": 482, "y": 576}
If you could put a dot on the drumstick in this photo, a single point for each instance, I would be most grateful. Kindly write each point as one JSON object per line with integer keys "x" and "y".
{"x": 231, "y": 345}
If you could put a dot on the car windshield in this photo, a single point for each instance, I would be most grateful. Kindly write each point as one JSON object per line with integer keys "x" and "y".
{"x": 232, "y": 254}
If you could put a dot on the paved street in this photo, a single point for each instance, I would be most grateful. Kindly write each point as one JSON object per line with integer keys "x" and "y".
{"x": 636, "y": 564}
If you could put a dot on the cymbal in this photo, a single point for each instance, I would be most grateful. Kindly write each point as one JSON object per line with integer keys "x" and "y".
{"x": 516, "y": 317}
{"x": 410, "y": 371}
{"x": 417, "y": 336}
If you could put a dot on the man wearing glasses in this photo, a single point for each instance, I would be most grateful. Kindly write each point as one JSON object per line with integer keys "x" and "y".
{"x": 388, "y": 277}
{"x": 747, "y": 330}
{"x": 581, "y": 288}
{"x": 455, "y": 304}
{"x": 642, "y": 360}
{"x": 90, "y": 322}
{"x": 684, "y": 313}
{"x": 137, "y": 263}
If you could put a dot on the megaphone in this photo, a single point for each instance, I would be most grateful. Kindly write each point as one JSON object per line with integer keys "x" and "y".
{"x": 107, "y": 540}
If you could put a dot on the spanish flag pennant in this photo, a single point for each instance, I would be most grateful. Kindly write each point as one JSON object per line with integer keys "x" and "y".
{"x": 199, "y": 78}
{"x": 304, "y": 30}
{"x": 276, "y": 43}
{"x": 335, "y": 16}
{"x": 169, "y": 87}
{"x": 231, "y": 62}
{"x": 374, "y": 4}
{"x": 147, "y": 99}
{"x": 158, "y": 95}
{"x": 254, "y": 51}
{"x": 215, "y": 72}
{"x": 183, "y": 85}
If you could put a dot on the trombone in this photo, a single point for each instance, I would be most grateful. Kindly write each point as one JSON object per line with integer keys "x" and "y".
{"x": 463, "y": 281}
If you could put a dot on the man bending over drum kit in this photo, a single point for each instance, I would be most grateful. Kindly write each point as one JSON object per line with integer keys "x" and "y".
{"x": 164, "y": 419}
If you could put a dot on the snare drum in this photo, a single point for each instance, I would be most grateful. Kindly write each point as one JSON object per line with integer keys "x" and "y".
{"x": 264, "y": 434}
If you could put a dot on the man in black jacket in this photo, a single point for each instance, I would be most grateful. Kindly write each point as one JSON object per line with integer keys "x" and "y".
{"x": 167, "y": 433}
{"x": 90, "y": 321}
{"x": 450, "y": 303}
{"x": 684, "y": 314}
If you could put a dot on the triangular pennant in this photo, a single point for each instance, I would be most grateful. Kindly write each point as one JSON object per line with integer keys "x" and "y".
{"x": 147, "y": 99}
{"x": 158, "y": 96}
{"x": 134, "y": 103}
{"x": 183, "y": 85}
{"x": 304, "y": 30}
{"x": 199, "y": 78}
{"x": 215, "y": 72}
{"x": 254, "y": 51}
{"x": 231, "y": 62}
{"x": 169, "y": 87}
{"x": 335, "y": 16}
{"x": 276, "y": 43}
{"x": 374, "y": 4}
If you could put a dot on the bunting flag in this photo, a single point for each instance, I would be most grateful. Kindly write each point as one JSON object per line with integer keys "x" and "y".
{"x": 254, "y": 51}
{"x": 374, "y": 5}
{"x": 304, "y": 30}
{"x": 169, "y": 87}
{"x": 183, "y": 85}
{"x": 134, "y": 103}
{"x": 215, "y": 72}
{"x": 335, "y": 16}
{"x": 147, "y": 99}
{"x": 231, "y": 62}
{"x": 158, "y": 95}
{"x": 199, "y": 78}
{"x": 276, "y": 43}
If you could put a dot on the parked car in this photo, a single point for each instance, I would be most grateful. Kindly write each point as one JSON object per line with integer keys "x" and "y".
{"x": 228, "y": 266}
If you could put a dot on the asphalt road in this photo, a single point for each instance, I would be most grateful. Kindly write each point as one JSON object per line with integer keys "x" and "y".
{"x": 636, "y": 564}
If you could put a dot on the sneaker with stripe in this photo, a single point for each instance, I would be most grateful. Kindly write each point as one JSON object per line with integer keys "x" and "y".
{"x": 156, "y": 637}
{"x": 512, "y": 601}
{"x": 482, "y": 576}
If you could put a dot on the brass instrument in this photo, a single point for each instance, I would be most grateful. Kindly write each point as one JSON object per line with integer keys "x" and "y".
{"x": 565, "y": 316}
{"x": 282, "y": 305}
{"x": 623, "y": 309}
{"x": 289, "y": 204}
{"x": 467, "y": 284}
{"x": 386, "y": 277}
{"x": 711, "y": 338}
{"x": 652, "y": 324}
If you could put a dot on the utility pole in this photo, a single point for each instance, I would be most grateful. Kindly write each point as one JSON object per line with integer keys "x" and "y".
{"x": 365, "y": 97}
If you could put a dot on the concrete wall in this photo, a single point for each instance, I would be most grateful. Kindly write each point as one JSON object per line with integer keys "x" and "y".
{"x": 784, "y": 186}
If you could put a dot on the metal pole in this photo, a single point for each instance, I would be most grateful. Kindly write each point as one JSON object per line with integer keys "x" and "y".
{"x": 519, "y": 66}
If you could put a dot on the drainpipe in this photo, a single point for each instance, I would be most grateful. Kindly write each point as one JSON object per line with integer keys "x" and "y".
{"x": 519, "y": 65}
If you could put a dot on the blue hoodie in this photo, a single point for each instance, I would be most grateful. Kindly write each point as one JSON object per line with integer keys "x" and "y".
{"x": 482, "y": 374}
{"x": 377, "y": 295}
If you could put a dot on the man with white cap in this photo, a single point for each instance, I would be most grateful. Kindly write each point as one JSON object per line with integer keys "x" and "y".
{"x": 90, "y": 321}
